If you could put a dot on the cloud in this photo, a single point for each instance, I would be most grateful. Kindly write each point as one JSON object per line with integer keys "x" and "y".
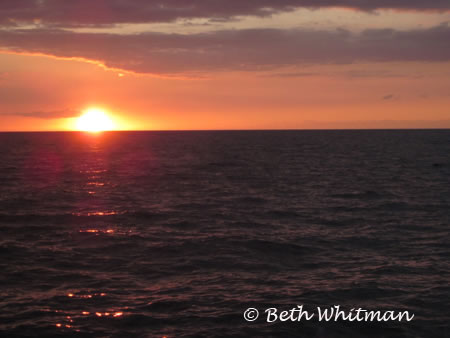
{"x": 56, "y": 114}
{"x": 293, "y": 74}
{"x": 249, "y": 50}
{"x": 388, "y": 97}
{"x": 107, "y": 12}
{"x": 357, "y": 74}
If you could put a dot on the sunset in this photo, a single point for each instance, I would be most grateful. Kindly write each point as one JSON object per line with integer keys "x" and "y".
{"x": 224, "y": 168}
{"x": 94, "y": 120}
{"x": 289, "y": 64}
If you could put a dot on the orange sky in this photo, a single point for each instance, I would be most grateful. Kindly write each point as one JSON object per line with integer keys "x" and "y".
{"x": 224, "y": 77}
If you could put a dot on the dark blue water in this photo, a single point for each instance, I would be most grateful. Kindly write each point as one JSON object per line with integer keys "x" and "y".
{"x": 143, "y": 234}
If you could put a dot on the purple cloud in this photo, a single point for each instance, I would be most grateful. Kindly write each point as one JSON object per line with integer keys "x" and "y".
{"x": 56, "y": 114}
{"x": 251, "y": 49}
{"x": 106, "y": 12}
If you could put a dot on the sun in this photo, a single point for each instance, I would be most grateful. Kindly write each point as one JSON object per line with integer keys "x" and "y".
{"x": 95, "y": 120}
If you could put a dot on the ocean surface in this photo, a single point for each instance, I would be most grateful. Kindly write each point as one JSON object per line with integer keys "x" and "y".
{"x": 176, "y": 234}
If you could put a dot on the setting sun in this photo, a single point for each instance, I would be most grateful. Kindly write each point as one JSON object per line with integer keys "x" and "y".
{"x": 95, "y": 120}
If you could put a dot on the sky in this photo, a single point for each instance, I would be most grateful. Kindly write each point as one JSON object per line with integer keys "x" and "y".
{"x": 225, "y": 64}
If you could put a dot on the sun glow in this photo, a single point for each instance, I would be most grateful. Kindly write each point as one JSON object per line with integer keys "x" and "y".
{"x": 95, "y": 120}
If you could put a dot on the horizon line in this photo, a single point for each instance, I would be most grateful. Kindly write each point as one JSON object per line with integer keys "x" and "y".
{"x": 205, "y": 130}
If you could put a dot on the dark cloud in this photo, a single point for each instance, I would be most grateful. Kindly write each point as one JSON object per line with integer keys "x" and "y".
{"x": 251, "y": 49}
{"x": 357, "y": 74}
{"x": 98, "y": 12}
{"x": 388, "y": 97}
{"x": 56, "y": 114}
{"x": 293, "y": 74}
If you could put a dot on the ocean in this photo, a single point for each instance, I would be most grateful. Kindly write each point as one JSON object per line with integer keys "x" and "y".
{"x": 176, "y": 234}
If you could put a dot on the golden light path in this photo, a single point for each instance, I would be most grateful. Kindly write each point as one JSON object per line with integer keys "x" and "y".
{"x": 95, "y": 120}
